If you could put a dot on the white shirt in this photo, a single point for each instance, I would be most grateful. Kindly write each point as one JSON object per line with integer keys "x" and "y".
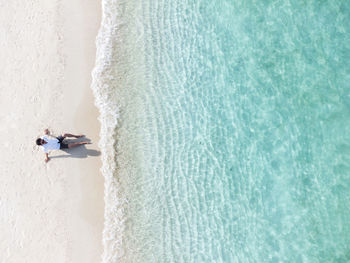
{"x": 52, "y": 144}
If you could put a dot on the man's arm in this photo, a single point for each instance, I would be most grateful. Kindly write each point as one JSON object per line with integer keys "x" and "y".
{"x": 46, "y": 132}
{"x": 47, "y": 157}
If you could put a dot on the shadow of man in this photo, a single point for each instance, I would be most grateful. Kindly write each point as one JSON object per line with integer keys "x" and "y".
{"x": 77, "y": 152}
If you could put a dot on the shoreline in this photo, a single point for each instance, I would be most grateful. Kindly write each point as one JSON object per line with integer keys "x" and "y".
{"x": 85, "y": 226}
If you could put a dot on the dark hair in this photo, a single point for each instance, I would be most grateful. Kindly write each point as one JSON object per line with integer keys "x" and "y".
{"x": 38, "y": 141}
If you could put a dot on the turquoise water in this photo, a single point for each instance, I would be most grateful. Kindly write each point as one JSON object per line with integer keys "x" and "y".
{"x": 233, "y": 142}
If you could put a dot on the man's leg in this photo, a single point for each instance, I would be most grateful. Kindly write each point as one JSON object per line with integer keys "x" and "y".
{"x": 71, "y": 145}
{"x": 72, "y": 135}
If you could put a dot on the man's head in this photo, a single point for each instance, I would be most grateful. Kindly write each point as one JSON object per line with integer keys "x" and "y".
{"x": 39, "y": 141}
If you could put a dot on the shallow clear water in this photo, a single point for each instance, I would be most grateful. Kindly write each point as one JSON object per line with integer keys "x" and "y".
{"x": 233, "y": 140}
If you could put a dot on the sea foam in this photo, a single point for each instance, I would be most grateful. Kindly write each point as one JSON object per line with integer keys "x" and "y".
{"x": 104, "y": 92}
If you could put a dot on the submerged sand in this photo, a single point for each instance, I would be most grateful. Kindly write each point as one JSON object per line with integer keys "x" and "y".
{"x": 49, "y": 212}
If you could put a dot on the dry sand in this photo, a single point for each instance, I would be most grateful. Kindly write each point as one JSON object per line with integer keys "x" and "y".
{"x": 48, "y": 212}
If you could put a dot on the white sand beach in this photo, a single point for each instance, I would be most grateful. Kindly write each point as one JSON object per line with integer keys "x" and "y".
{"x": 49, "y": 212}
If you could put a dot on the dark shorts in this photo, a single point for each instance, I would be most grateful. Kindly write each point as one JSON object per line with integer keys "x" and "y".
{"x": 60, "y": 140}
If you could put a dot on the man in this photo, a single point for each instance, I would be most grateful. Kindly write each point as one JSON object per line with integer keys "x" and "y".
{"x": 57, "y": 143}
